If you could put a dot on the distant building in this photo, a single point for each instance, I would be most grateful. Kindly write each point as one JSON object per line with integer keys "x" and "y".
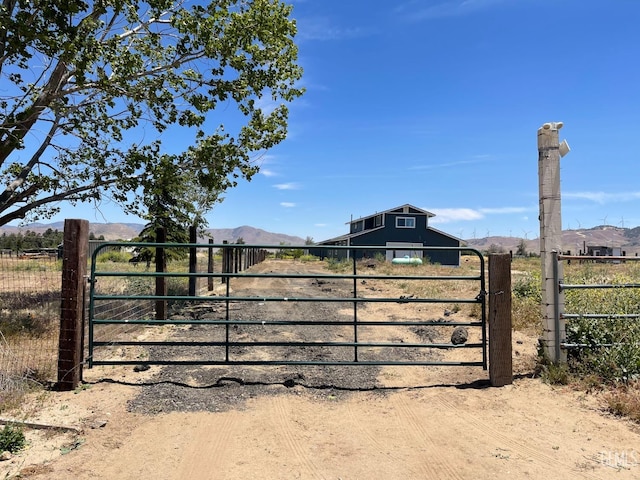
{"x": 404, "y": 226}
{"x": 603, "y": 251}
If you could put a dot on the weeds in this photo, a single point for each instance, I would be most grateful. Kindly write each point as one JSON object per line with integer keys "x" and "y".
{"x": 624, "y": 400}
{"x": 12, "y": 439}
{"x": 116, "y": 256}
{"x": 608, "y": 347}
{"x": 606, "y": 353}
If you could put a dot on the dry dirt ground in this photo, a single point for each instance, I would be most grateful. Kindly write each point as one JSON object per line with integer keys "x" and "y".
{"x": 174, "y": 423}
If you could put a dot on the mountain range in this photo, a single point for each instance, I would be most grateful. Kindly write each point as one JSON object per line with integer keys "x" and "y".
{"x": 127, "y": 231}
{"x": 628, "y": 239}
{"x": 575, "y": 241}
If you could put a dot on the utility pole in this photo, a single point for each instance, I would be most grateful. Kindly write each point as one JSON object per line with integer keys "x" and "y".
{"x": 549, "y": 152}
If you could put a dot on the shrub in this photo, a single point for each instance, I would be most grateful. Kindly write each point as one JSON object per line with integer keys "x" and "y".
{"x": 341, "y": 265}
{"x": 525, "y": 305}
{"x": 115, "y": 256}
{"x": 12, "y": 439}
{"x": 608, "y": 347}
{"x": 625, "y": 401}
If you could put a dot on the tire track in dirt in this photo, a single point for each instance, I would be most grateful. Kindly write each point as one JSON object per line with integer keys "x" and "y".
{"x": 490, "y": 433}
{"x": 209, "y": 449}
{"x": 290, "y": 441}
{"x": 437, "y": 466}
{"x": 353, "y": 425}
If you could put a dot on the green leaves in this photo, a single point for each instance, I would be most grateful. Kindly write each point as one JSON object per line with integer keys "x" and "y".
{"x": 113, "y": 77}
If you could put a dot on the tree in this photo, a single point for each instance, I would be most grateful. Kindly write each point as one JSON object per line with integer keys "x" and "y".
{"x": 166, "y": 202}
{"x": 89, "y": 91}
{"x": 495, "y": 248}
{"x": 522, "y": 248}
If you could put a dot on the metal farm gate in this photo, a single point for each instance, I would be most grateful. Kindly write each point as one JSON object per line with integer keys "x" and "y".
{"x": 249, "y": 313}
{"x": 563, "y": 319}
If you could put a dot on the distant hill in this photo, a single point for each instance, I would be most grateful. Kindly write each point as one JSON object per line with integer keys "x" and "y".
{"x": 253, "y": 235}
{"x": 573, "y": 240}
{"x": 111, "y": 231}
{"x": 628, "y": 239}
{"x": 127, "y": 231}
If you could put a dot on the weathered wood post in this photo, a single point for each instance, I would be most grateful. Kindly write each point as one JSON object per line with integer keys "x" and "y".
{"x": 225, "y": 259}
{"x": 500, "y": 322}
{"x": 210, "y": 265}
{"x": 161, "y": 281}
{"x": 551, "y": 240}
{"x": 193, "y": 260}
{"x": 74, "y": 271}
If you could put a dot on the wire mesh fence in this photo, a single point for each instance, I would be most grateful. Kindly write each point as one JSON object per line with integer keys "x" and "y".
{"x": 29, "y": 319}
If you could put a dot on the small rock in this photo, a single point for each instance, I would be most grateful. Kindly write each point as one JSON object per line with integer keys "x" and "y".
{"x": 4, "y": 456}
{"x": 98, "y": 423}
{"x": 141, "y": 368}
{"x": 459, "y": 336}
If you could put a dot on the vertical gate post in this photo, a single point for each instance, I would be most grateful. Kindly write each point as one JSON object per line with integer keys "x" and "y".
{"x": 210, "y": 266}
{"x": 193, "y": 260}
{"x": 500, "y": 355}
{"x": 550, "y": 238}
{"x": 225, "y": 260}
{"x": 74, "y": 271}
{"x": 161, "y": 282}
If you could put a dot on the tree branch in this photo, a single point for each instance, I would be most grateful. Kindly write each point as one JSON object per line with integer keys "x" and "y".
{"x": 21, "y": 212}
{"x": 5, "y": 197}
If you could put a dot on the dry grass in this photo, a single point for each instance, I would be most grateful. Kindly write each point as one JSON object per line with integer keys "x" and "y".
{"x": 624, "y": 400}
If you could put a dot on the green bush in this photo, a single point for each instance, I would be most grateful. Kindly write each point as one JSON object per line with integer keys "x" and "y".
{"x": 609, "y": 347}
{"x": 526, "y": 300}
{"x": 115, "y": 256}
{"x": 529, "y": 285}
{"x": 336, "y": 265}
{"x": 12, "y": 439}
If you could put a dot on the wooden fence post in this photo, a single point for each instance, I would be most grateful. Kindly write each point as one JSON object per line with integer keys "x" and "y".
{"x": 161, "y": 282}
{"x": 225, "y": 260}
{"x": 74, "y": 271}
{"x": 210, "y": 265}
{"x": 500, "y": 355}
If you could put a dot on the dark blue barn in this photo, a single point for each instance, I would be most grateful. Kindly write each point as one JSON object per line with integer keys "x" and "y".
{"x": 404, "y": 226}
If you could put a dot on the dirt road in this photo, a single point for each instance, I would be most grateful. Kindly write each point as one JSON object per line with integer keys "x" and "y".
{"x": 402, "y": 422}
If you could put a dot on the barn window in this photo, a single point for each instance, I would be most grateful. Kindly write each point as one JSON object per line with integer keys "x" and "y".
{"x": 405, "y": 222}
{"x": 378, "y": 220}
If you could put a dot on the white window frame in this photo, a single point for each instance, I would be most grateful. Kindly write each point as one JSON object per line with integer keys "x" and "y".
{"x": 412, "y": 220}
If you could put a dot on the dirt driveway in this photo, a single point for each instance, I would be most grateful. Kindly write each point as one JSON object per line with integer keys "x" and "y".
{"x": 383, "y": 423}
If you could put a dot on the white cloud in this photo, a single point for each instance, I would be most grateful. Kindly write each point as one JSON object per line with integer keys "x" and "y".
{"x": 447, "y": 215}
{"x": 503, "y": 210}
{"x": 287, "y": 186}
{"x": 603, "y": 197}
{"x": 287, "y": 204}
{"x": 268, "y": 173}
{"x": 415, "y": 10}
{"x": 320, "y": 28}
{"x": 477, "y": 159}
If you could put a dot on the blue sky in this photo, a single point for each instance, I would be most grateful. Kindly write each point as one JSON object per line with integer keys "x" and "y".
{"x": 437, "y": 103}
